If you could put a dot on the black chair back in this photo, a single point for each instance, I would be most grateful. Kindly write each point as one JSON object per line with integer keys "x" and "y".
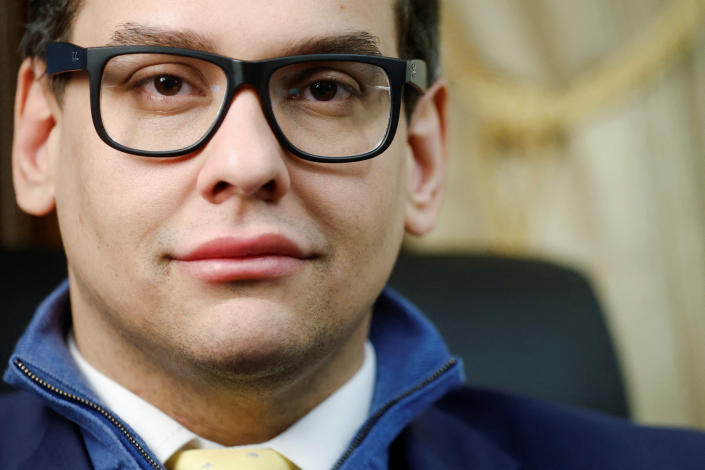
{"x": 524, "y": 326}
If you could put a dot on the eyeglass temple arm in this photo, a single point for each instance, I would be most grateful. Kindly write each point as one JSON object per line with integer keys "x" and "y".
{"x": 65, "y": 57}
{"x": 416, "y": 74}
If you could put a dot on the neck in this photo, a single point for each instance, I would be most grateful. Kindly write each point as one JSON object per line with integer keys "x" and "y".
{"x": 236, "y": 413}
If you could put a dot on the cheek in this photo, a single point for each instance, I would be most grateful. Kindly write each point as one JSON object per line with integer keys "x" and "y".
{"x": 92, "y": 199}
{"x": 108, "y": 203}
{"x": 361, "y": 209}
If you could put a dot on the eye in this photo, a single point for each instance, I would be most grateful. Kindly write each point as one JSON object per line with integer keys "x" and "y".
{"x": 167, "y": 85}
{"x": 323, "y": 90}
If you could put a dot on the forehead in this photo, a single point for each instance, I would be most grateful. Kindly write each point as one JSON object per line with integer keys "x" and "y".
{"x": 243, "y": 29}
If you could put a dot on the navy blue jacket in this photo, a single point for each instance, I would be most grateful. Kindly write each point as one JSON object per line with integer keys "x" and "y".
{"x": 421, "y": 417}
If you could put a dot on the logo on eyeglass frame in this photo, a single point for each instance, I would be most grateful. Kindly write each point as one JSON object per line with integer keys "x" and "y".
{"x": 74, "y": 56}
{"x": 413, "y": 69}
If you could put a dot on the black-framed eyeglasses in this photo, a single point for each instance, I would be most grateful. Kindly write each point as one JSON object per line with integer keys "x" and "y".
{"x": 157, "y": 101}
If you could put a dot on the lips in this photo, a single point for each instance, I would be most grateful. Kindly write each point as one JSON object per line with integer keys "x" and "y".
{"x": 225, "y": 259}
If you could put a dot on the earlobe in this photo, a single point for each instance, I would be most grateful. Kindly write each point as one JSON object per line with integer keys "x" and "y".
{"x": 427, "y": 147}
{"x": 32, "y": 159}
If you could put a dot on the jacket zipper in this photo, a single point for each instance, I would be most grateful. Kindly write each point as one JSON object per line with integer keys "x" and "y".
{"x": 89, "y": 404}
{"x": 365, "y": 430}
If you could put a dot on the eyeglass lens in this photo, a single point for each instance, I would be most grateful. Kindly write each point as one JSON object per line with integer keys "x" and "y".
{"x": 164, "y": 102}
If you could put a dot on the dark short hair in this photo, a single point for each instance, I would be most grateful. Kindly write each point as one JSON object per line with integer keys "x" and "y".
{"x": 416, "y": 23}
{"x": 47, "y": 21}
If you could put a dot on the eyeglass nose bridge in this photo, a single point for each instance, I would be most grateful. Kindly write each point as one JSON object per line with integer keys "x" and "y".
{"x": 256, "y": 74}
{"x": 244, "y": 72}
{"x": 239, "y": 74}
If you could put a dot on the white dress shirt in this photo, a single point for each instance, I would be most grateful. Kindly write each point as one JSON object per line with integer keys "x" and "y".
{"x": 315, "y": 442}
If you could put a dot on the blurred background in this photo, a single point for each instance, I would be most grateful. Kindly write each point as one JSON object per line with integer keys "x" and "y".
{"x": 578, "y": 136}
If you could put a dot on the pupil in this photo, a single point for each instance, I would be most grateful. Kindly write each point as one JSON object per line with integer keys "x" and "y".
{"x": 324, "y": 91}
{"x": 167, "y": 85}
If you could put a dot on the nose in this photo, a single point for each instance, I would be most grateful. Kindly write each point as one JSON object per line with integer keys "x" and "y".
{"x": 244, "y": 158}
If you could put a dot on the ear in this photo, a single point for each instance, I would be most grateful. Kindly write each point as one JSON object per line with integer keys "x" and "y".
{"x": 32, "y": 165}
{"x": 427, "y": 147}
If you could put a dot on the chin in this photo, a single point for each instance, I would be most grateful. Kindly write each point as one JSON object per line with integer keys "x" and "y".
{"x": 255, "y": 367}
{"x": 251, "y": 352}
{"x": 252, "y": 338}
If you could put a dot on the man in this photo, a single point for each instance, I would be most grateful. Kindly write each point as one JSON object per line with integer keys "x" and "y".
{"x": 232, "y": 182}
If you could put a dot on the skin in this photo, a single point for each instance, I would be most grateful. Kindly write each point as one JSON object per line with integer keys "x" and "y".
{"x": 235, "y": 362}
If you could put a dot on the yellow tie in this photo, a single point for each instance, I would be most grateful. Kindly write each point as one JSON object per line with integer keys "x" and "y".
{"x": 229, "y": 459}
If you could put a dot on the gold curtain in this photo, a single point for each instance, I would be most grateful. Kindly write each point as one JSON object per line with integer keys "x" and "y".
{"x": 577, "y": 134}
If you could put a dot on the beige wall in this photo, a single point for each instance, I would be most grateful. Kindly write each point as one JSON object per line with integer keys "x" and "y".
{"x": 578, "y": 134}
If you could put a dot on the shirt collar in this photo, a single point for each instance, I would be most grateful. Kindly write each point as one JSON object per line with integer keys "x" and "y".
{"x": 315, "y": 442}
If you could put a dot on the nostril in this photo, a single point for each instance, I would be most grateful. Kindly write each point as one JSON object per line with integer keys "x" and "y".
{"x": 220, "y": 187}
{"x": 267, "y": 190}
{"x": 270, "y": 186}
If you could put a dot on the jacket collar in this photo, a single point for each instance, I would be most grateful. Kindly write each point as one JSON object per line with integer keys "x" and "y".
{"x": 414, "y": 369}
{"x": 42, "y": 364}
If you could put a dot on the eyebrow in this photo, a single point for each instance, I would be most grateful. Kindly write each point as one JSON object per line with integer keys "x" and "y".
{"x": 359, "y": 42}
{"x": 135, "y": 34}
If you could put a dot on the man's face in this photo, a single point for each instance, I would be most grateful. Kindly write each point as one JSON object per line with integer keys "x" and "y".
{"x": 130, "y": 223}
